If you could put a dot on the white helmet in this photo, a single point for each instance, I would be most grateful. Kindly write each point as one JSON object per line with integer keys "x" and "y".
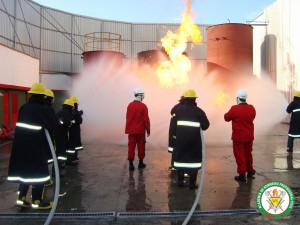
{"x": 242, "y": 93}
{"x": 138, "y": 91}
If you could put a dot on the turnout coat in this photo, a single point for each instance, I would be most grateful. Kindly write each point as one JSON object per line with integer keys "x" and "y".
{"x": 29, "y": 155}
{"x": 294, "y": 109}
{"x": 189, "y": 119}
{"x": 75, "y": 130}
{"x": 172, "y": 140}
{"x": 63, "y": 147}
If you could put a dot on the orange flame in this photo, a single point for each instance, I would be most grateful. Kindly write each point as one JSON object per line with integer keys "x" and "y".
{"x": 176, "y": 69}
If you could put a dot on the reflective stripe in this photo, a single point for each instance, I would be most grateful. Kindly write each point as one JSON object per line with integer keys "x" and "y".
{"x": 170, "y": 149}
{"x": 188, "y": 123}
{"x": 50, "y": 160}
{"x": 61, "y": 158}
{"x": 294, "y": 135}
{"x": 19, "y": 202}
{"x": 28, "y": 126}
{"x": 29, "y": 180}
{"x": 78, "y": 148}
{"x": 70, "y": 151}
{"x": 61, "y": 122}
{"x": 187, "y": 165}
{"x": 174, "y": 136}
{"x": 296, "y": 110}
{"x": 34, "y": 205}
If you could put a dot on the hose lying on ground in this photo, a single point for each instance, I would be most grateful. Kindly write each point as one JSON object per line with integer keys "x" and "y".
{"x": 57, "y": 182}
{"x": 200, "y": 183}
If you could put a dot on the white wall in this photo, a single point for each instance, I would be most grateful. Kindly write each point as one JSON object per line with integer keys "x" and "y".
{"x": 283, "y": 49}
{"x": 17, "y": 68}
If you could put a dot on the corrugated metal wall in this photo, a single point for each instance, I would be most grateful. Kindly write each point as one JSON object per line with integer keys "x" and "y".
{"x": 57, "y": 38}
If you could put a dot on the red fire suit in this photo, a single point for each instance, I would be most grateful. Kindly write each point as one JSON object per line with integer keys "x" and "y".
{"x": 137, "y": 123}
{"x": 242, "y": 116}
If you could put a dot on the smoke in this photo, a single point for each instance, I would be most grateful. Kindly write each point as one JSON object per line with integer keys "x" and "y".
{"x": 105, "y": 88}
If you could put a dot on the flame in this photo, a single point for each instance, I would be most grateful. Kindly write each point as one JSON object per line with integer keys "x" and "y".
{"x": 176, "y": 69}
{"x": 221, "y": 98}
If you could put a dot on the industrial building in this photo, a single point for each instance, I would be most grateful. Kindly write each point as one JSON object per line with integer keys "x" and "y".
{"x": 43, "y": 44}
{"x": 38, "y": 43}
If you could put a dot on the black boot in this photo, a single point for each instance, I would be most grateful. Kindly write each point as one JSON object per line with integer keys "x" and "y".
{"x": 241, "y": 178}
{"x": 131, "y": 166}
{"x": 193, "y": 177}
{"x": 251, "y": 174}
{"x": 180, "y": 178}
{"x": 141, "y": 164}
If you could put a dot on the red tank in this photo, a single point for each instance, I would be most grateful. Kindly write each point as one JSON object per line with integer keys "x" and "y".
{"x": 230, "y": 49}
{"x": 112, "y": 56}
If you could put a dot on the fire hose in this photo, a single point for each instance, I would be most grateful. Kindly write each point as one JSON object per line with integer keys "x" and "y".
{"x": 200, "y": 183}
{"x": 57, "y": 182}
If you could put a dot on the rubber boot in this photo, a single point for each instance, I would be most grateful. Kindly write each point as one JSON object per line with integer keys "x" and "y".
{"x": 193, "y": 177}
{"x": 37, "y": 198}
{"x": 180, "y": 178}
{"x": 21, "y": 199}
{"x": 131, "y": 166}
{"x": 241, "y": 178}
{"x": 141, "y": 165}
{"x": 251, "y": 174}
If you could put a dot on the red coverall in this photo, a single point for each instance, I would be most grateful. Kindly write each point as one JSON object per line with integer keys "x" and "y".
{"x": 242, "y": 116}
{"x": 137, "y": 123}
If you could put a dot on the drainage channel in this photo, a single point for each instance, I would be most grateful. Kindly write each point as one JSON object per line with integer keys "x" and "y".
{"x": 126, "y": 215}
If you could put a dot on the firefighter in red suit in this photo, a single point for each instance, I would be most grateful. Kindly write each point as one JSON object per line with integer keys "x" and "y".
{"x": 242, "y": 116}
{"x": 137, "y": 125}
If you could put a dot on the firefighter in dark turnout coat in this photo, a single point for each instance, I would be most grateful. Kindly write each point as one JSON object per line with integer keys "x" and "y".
{"x": 242, "y": 116}
{"x": 172, "y": 140}
{"x": 75, "y": 131}
{"x": 28, "y": 162}
{"x": 188, "y": 155}
{"x": 137, "y": 124}
{"x": 294, "y": 130}
{"x": 65, "y": 152}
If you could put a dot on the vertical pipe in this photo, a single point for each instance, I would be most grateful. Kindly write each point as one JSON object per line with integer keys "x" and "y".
{"x": 72, "y": 18}
{"x": 15, "y": 24}
{"x": 41, "y": 47}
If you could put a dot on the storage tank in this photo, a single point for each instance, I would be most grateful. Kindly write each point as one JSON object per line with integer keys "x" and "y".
{"x": 111, "y": 56}
{"x": 152, "y": 57}
{"x": 230, "y": 49}
{"x": 104, "y": 46}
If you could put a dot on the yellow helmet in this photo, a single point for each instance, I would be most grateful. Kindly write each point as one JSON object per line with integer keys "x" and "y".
{"x": 297, "y": 94}
{"x": 37, "y": 88}
{"x": 69, "y": 102}
{"x": 190, "y": 94}
{"x": 74, "y": 99}
{"x": 49, "y": 93}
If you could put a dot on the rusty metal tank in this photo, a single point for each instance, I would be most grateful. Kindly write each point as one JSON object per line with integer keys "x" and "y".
{"x": 152, "y": 57}
{"x": 230, "y": 49}
{"x": 111, "y": 56}
{"x": 104, "y": 46}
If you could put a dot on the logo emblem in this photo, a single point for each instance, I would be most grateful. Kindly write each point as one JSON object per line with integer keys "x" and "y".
{"x": 275, "y": 200}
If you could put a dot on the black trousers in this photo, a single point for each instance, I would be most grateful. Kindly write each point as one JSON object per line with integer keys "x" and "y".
{"x": 37, "y": 191}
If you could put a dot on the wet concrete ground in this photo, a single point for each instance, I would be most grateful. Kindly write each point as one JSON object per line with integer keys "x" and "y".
{"x": 101, "y": 183}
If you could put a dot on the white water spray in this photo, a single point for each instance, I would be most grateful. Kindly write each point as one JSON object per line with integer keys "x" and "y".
{"x": 104, "y": 89}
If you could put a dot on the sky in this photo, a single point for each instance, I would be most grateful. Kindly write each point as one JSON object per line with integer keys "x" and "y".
{"x": 163, "y": 11}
